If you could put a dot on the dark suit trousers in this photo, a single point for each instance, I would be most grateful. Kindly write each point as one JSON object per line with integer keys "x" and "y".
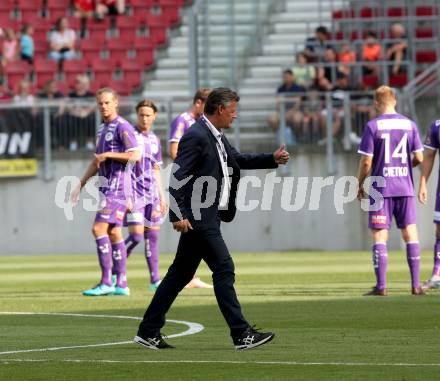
{"x": 197, "y": 244}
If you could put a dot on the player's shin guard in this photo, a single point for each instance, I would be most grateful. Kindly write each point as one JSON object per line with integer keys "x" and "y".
{"x": 152, "y": 253}
{"x": 413, "y": 257}
{"x": 119, "y": 253}
{"x": 436, "y": 268}
{"x": 380, "y": 263}
{"x": 132, "y": 241}
{"x": 104, "y": 248}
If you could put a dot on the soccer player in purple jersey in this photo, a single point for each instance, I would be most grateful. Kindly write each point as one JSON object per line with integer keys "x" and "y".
{"x": 432, "y": 143}
{"x": 149, "y": 205}
{"x": 185, "y": 120}
{"x": 178, "y": 127}
{"x": 116, "y": 146}
{"x": 386, "y": 147}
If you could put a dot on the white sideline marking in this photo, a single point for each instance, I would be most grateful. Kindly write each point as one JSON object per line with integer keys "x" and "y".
{"x": 292, "y": 363}
{"x": 193, "y": 328}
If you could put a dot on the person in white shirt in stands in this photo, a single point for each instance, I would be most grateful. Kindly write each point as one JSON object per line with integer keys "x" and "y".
{"x": 62, "y": 41}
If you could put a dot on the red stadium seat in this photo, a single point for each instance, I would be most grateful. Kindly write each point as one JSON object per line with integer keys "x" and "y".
{"x": 6, "y": 22}
{"x": 339, "y": 35}
{"x": 74, "y": 67}
{"x": 29, "y": 8}
{"x": 426, "y": 56}
{"x": 424, "y": 32}
{"x": 15, "y": 72}
{"x": 170, "y": 13}
{"x": 44, "y": 69}
{"x": 58, "y": 4}
{"x": 339, "y": 14}
{"x": 370, "y": 80}
{"x": 144, "y": 50}
{"x": 175, "y": 3}
{"x": 367, "y": 12}
{"x": 397, "y": 12}
{"x": 38, "y": 23}
{"x": 55, "y": 14}
{"x": 126, "y": 26}
{"x": 132, "y": 70}
{"x": 103, "y": 70}
{"x": 6, "y": 7}
{"x": 90, "y": 50}
{"x": 118, "y": 48}
{"x": 144, "y": 43}
{"x": 142, "y": 5}
{"x": 120, "y": 87}
{"x": 398, "y": 80}
{"x": 424, "y": 11}
{"x": 98, "y": 36}
{"x": 74, "y": 22}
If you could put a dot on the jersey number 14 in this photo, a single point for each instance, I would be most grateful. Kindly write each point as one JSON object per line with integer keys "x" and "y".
{"x": 400, "y": 150}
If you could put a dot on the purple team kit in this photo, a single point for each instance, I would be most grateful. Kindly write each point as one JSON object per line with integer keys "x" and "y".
{"x": 146, "y": 198}
{"x": 180, "y": 125}
{"x": 115, "y": 136}
{"x": 390, "y": 140}
{"x": 432, "y": 142}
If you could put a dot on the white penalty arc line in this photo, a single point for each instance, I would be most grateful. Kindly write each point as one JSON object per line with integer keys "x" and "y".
{"x": 288, "y": 363}
{"x": 193, "y": 328}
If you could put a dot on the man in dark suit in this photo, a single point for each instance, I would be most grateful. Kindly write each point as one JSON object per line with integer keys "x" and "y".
{"x": 202, "y": 193}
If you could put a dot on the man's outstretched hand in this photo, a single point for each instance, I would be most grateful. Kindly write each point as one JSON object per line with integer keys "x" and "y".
{"x": 281, "y": 156}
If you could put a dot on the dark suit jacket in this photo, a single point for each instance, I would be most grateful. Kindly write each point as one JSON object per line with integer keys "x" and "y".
{"x": 196, "y": 180}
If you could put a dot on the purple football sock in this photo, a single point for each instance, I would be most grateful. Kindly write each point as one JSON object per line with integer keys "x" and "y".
{"x": 436, "y": 268}
{"x": 380, "y": 263}
{"x": 103, "y": 246}
{"x": 413, "y": 257}
{"x": 132, "y": 241}
{"x": 119, "y": 263}
{"x": 152, "y": 253}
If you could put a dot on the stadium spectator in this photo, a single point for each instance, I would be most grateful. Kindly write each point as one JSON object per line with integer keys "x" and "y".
{"x": 10, "y": 50}
{"x": 326, "y": 74}
{"x": 304, "y": 74}
{"x": 27, "y": 43}
{"x": 84, "y": 10}
{"x": 432, "y": 143}
{"x": 316, "y": 46}
{"x": 24, "y": 115}
{"x": 201, "y": 150}
{"x": 177, "y": 129}
{"x": 62, "y": 41}
{"x": 24, "y": 93}
{"x": 109, "y": 7}
{"x": 116, "y": 147}
{"x": 371, "y": 53}
{"x": 397, "y": 49}
{"x": 50, "y": 91}
{"x": 346, "y": 56}
{"x": 288, "y": 92}
{"x": 77, "y": 123}
{"x": 390, "y": 148}
{"x": 339, "y": 92}
{"x": 149, "y": 207}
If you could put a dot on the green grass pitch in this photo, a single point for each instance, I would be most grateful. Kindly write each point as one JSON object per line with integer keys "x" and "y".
{"x": 326, "y": 329}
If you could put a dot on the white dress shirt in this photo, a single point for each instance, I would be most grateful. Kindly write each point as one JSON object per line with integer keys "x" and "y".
{"x": 226, "y": 185}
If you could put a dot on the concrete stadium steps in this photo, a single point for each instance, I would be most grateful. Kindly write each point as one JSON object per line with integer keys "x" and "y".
{"x": 172, "y": 70}
{"x": 282, "y": 30}
{"x": 288, "y": 28}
